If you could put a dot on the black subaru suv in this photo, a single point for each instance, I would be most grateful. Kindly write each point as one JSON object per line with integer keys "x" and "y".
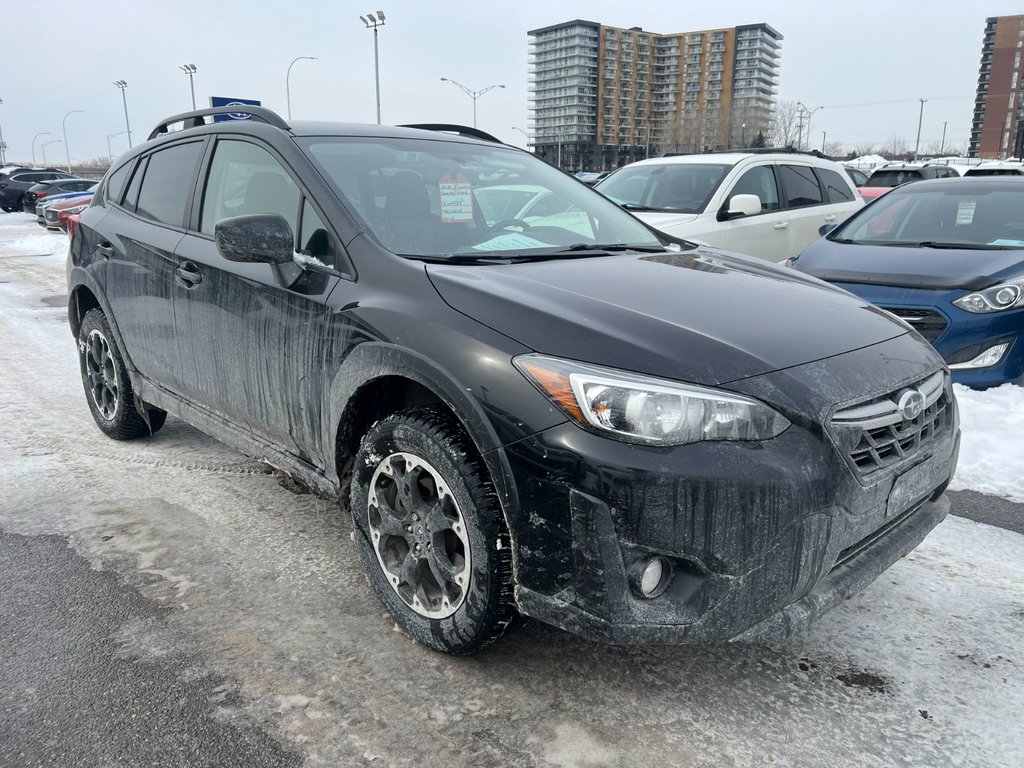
{"x": 528, "y": 400}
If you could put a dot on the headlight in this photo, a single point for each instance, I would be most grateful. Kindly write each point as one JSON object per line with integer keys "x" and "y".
{"x": 76, "y": 209}
{"x": 642, "y": 409}
{"x": 1006, "y": 295}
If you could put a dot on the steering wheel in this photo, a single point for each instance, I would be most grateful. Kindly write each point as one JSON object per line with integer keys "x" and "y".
{"x": 506, "y": 223}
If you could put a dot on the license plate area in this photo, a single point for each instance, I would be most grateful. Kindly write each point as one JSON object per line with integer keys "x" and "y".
{"x": 911, "y": 487}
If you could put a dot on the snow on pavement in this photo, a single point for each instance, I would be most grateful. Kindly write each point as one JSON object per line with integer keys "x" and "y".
{"x": 992, "y": 442}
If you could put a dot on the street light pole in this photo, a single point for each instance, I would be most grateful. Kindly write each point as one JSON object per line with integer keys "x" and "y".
{"x": 823, "y": 142}
{"x": 942, "y": 146}
{"x": 44, "y": 145}
{"x": 920, "y": 117}
{"x": 190, "y": 70}
{"x": 375, "y": 22}
{"x": 529, "y": 138}
{"x": 288, "y": 86}
{"x": 121, "y": 84}
{"x": 64, "y": 125}
{"x": 110, "y": 154}
{"x": 474, "y": 95}
{"x": 810, "y": 114}
{"x": 44, "y": 133}
{"x": 743, "y": 134}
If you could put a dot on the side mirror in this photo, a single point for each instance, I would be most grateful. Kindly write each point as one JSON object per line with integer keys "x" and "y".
{"x": 740, "y": 205}
{"x": 824, "y": 229}
{"x": 261, "y": 238}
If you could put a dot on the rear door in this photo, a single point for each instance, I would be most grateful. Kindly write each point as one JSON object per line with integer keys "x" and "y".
{"x": 252, "y": 348}
{"x": 808, "y": 203}
{"x": 135, "y": 246}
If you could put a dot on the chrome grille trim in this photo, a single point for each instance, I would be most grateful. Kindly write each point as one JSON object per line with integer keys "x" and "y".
{"x": 875, "y": 436}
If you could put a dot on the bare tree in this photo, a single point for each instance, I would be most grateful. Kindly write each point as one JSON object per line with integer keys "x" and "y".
{"x": 835, "y": 149}
{"x": 895, "y": 146}
{"x": 785, "y": 124}
{"x": 864, "y": 149}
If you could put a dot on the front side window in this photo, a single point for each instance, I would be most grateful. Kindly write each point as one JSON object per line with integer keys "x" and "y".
{"x": 245, "y": 179}
{"x": 759, "y": 181}
{"x": 801, "y": 186}
{"x": 168, "y": 183}
{"x": 440, "y": 198}
{"x": 668, "y": 187}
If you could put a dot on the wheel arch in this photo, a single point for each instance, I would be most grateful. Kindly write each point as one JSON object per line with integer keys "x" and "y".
{"x": 378, "y": 379}
{"x": 84, "y": 294}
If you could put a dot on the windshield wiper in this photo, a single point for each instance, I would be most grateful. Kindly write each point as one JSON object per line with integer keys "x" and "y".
{"x": 637, "y": 207}
{"x": 611, "y": 248}
{"x": 967, "y": 246}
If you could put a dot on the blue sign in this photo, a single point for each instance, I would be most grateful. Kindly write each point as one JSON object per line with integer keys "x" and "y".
{"x": 224, "y": 101}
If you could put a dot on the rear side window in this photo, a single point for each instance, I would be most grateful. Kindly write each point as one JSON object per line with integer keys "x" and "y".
{"x": 759, "y": 181}
{"x": 801, "y": 186}
{"x": 132, "y": 196}
{"x": 836, "y": 188}
{"x": 115, "y": 183}
{"x": 168, "y": 183}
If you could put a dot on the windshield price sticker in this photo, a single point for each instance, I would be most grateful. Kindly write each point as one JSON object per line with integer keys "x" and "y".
{"x": 965, "y": 212}
{"x": 456, "y": 198}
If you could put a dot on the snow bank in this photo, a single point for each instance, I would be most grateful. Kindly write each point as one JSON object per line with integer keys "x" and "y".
{"x": 21, "y": 236}
{"x": 992, "y": 445}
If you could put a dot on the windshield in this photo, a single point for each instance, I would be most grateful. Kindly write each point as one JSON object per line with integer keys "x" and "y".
{"x": 447, "y": 199}
{"x": 963, "y": 216}
{"x": 892, "y": 178}
{"x": 669, "y": 187}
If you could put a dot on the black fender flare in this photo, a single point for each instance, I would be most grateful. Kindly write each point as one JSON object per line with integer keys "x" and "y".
{"x": 78, "y": 278}
{"x": 371, "y": 361}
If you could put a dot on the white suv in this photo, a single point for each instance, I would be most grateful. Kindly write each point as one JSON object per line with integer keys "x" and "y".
{"x": 770, "y": 205}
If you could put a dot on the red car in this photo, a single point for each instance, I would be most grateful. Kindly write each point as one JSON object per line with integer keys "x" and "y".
{"x": 55, "y": 215}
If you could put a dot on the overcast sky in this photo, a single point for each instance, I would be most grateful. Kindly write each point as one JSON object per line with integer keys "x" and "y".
{"x": 62, "y": 55}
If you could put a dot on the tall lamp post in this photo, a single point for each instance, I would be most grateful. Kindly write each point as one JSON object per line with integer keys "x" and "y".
{"x": 190, "y": 70}
{"x": 43, "y": 133}
{"x": 529, "y": 138}
{"x": 3, "y": 146}
{"x": 374, "y": 23}
{"x": 810, "y": 114}
{"x": 121, "y": 85}
{"x": 47, "y": 143}
{"x": 64, "y": 126}
{"x": 474, "y": 95}
{"x": 288, "y": 86}
{"x": 920, "y": 117}
{"x": 110, "y": 136}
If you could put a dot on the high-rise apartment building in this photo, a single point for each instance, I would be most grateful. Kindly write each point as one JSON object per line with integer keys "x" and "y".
{"x": 997, "y": 130}
{"x": 603, "y": 96}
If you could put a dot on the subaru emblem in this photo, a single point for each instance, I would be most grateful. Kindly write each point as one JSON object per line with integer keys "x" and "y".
{"x": 911, "y": 404}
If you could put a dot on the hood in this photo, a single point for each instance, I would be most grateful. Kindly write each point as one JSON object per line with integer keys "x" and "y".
{"x": 699, "y": 316}
{"x": 935, "y": 268}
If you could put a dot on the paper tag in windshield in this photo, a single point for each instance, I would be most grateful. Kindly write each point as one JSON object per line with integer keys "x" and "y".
{"x": 456, "y": 198}
{"x": 965, "y": 212}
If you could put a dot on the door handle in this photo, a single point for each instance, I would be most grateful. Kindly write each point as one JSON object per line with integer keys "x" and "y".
{"x": 187, "y": 275}
{"x": 830, "y": 217}
{"x": 106, "y": 250}
{"x": 781, "y": 225}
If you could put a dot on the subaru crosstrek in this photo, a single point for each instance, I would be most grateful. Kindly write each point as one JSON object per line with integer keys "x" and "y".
{"x": 572, "y": 416}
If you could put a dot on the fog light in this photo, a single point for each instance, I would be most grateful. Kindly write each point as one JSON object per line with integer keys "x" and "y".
{"x": 650, "y": 576}
{"x": 989, "y": 357}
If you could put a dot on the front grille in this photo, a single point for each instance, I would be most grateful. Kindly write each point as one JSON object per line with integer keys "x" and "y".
{"x": 876, "y": 436}
{"x": 927, "y": 322}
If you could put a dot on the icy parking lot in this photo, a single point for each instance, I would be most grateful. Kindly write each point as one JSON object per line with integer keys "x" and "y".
{"x": 253, "y": 600}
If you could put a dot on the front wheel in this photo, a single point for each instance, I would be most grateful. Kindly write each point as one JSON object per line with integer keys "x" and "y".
{"x": 430, "y": 532}
{"x": 107, "y": 387}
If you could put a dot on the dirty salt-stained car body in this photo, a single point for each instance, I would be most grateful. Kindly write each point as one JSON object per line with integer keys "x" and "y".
{"x": 634, "y": 439}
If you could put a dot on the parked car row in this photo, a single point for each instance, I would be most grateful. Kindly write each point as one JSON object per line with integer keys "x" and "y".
{"x": 51, "y": 194}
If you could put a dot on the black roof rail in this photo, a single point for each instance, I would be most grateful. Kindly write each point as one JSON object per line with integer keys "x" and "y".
{"x": 196, "y": 119}
{"x": 789, "y": 150}
{"x": 461, "y": 130}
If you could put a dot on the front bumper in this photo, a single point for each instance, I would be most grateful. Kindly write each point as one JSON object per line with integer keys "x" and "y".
{"x": 762, "y": 538}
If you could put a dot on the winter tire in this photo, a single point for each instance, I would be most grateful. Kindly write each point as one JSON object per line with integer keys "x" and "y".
{"x": 107, "y": 387}
{"x": 430, "y": 533}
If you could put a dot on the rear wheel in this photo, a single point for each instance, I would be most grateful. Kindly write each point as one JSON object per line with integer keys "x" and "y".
{"x": 430, "y": 532}
{"x": 107, "y": 387}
